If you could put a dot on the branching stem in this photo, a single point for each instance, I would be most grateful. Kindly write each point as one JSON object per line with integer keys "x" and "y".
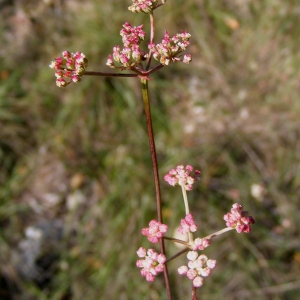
{"x": 178, "y": 254}
{"x": 176, "y": 240}
{"x": 92, "y": 73}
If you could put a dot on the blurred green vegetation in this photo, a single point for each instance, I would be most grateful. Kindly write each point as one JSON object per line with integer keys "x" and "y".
{"x": 76, "y": 184}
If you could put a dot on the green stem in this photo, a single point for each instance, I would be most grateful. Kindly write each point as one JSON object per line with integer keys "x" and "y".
{"x": 145, "y": 94}
{"x": 151, "y": 39}
{"x": 187, "y": 210}
{"x": 176, "y": 240}
{"x": 218, "y": 232}
{"x": 186, "y": 203}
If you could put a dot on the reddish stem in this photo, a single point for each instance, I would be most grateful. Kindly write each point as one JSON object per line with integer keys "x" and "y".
{"x": 178, "y": 254}
{"x": 155, "y": 173}
{"x": 194, "y": 293}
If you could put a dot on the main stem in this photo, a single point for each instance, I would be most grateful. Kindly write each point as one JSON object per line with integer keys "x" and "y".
{"x": 145, "y": 94}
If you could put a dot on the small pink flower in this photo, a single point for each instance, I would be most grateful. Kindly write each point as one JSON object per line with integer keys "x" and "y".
{"x": 198, "y": 267}
{"x": 59, "y": 74}
{"x": 75, "y": 78}
{"x": 66, "y": 54}
{"x": 141, "y": 252}
{"x": 205, "y": 272}
{"x": 238, "y": 219}
{"x": 211, "y": 263}
{"x": 110, "y": 61}
{"x": 197, "y": 281}
{"x": 183, "y": 270}
{"x": 192, "y": 255}
{"x": 187, "y": 59}
{"x": 152, "y": 264}
{"x": 191, "y": 274}
{"x": 155, "y": 231}
{"x": 79, "y": 57}
{"x": 187, "y": 225}
{"x": 60, "y": 82}
{"x": 182, "y": 176}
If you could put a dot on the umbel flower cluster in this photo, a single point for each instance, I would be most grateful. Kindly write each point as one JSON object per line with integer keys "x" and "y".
{"x": 155, "y": 231}
{"x": 187, "y": 224}
{"x": 152, "y": 264}
{"x": 182, "y": 175}
{"x": 238, "y": 219}
{"x": 170, "y": 48}
{"x": 198, "y": 266}
{"x": 69, "y": 68}
{"x": 145, "y": 6}
{"x": 131, "y": 54}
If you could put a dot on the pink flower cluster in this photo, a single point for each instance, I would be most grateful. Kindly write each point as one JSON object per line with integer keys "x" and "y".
{"x": 155, "y": 231}
{"x": 69, "y": 68}
{"x": 170, "y": 48}
{"x": 132, "y": 35}
{"x": 238, "y": 219}
{"x": 198, "y": 267}
{"x": 200, "y": 244}
{"x": 131, "y": 54}
{"x": 182, "y": 176}
{"x": 187, "y": 224}
{"x": 145, "y": 6}
{"x": 152, "y": 264}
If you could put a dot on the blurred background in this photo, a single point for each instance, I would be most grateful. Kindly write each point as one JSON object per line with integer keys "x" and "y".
{"x": 76, "y": 183}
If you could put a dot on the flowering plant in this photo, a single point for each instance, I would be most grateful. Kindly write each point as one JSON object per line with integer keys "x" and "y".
{"x": 199, "y": 265}
{"x": 135, "y": 57}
